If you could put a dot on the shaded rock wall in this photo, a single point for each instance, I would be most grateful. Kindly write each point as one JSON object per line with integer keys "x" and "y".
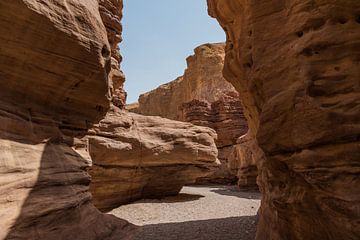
{"x": 136, "y": 156}
{"x": 296, "y": 67}
{"x": 242, "y": 161}
{"x": 203, "y": 97}
{"x": 53, "y": 54}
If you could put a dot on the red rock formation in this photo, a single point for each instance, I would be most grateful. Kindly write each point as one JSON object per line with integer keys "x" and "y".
{"x": 203, "y": 97}
{"x": 54, "y": 61}
{"x": 136, "y": 156}
{"x": 226, "y": 117}
{"x": 296, "y": 67}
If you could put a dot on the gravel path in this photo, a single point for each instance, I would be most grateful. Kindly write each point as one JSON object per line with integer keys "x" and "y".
{"x": 197, "y": 213}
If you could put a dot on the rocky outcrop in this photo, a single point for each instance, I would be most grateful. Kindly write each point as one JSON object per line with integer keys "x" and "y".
{"x": 137, "y": 156}
{"x": 202, "y": 81}
{"x": 53, "y": 54}
{"x": 296, "y": 67}
{"x": 111, "y": 14}
{"x": 202, "y": 97}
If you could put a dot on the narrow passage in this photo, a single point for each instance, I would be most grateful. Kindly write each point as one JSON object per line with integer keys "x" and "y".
{"x": 197, "y": 213}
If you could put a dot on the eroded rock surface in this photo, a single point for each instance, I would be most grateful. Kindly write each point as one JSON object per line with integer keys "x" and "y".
{"x": 242, "y": 161}
{"x": 202, "y": 97}
{"x": 136, "y": 156}
{"x": 54, "y": 72}
{"x": 296, "y": 67}
{"x": 111, "y": 14}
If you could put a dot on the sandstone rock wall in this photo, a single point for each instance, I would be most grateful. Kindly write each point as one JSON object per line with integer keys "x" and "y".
{"x": 242, "y": 161}
{"x": 202, "y": 81}
{"x": 111, "y": 14}
{"x": 296, "y": 67}
{"x": 202, "y": 97}
{"x": 136, "y": 156}
{"x": 54, "y": 67}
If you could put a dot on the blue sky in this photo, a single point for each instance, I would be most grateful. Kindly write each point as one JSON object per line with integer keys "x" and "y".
{"x": 158, "y": 35}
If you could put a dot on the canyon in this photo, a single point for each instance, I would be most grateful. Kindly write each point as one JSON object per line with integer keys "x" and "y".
{"x": 69, "y": 148}
{"x": 203, "y": 97}
{"x": 62, "y": 127}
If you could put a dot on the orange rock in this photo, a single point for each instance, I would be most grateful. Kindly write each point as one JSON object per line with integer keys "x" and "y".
{"x": 54, "y": 65}
{"x": 136, "y": 156}
{"x": 296, "y": 67}
{"x": 203, "y": 97}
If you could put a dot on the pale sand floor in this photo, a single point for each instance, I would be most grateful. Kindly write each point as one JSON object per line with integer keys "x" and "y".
{"x": 197, "y": 213}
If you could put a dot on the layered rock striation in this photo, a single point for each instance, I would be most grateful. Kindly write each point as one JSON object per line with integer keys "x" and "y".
{"x": 296, "y": 67}
{"x": 202, "y": 97}
{"x": 136, "y": 156}
{"x": 111, "y": 14}
{"x": 54, "y": 68}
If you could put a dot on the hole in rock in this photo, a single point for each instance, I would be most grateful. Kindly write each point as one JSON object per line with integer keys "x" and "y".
{"x": 342, "y": 20}
{"x": 105, "y": 52}
{"x": 300, "y": 34}
{"x": 358, "y": 19}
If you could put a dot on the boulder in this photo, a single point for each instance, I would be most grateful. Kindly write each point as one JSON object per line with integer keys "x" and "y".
{"x": 136, "y": 156}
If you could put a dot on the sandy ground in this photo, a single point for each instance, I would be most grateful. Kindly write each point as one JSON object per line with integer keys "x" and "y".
{"x": 197, "y": 213}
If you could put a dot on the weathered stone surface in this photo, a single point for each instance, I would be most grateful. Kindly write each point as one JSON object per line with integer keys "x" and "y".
{"x": 296, "y": 67}
{"x": 203, "y": 97}
{"x": 242, "y": 161}
{"x": 136, "y": 156}
{"x": 41, "y": 75}
{"x": 111, "y": 14}
{"x": 202, "y": 81}
{"x": 53, "y": 77}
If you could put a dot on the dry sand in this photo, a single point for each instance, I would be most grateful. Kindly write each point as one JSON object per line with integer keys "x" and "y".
{"x": 197, "y": 213}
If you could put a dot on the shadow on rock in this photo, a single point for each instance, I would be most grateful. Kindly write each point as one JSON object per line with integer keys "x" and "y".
{"x": 59, "y": 204}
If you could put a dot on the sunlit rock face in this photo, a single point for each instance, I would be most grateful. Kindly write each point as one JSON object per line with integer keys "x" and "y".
{"x": 136, "y": 156}
{"x": 203, "y": 97}
{"x": 111, "y": 14}
{"x": 55, "y": 62}
{"x": 295, "y": 65}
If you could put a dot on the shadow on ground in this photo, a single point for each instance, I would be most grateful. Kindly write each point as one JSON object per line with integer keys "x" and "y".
{"x": 181, "y": 197}
{"x": 232, "y": 190}
{"x": 233, "y": 228}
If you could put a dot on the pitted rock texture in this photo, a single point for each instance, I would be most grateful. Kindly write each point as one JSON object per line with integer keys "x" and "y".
{"x": 111, "y": 14}
{"x": 296, "y": 67}
{"x": 51, "y": 58}
{"x": 202, "y": 97}
{"x": 136, "y": 156}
